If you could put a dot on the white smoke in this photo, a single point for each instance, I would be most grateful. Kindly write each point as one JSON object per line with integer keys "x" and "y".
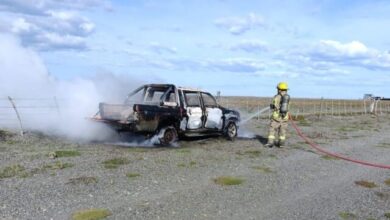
{"x": 23, "y": 74}
{"x": 21, "y": 70}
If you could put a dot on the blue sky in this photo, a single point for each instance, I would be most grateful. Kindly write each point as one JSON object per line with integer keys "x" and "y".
{"x": 331, "y": 49}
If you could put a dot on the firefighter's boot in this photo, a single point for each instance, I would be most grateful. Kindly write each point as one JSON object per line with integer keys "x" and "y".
{"x": 282, "y": 143}
{"x": 270, "y": 143}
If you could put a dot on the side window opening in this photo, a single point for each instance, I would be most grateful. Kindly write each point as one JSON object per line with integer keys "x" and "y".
{"x": 209, "y": 100}
{"x": 136, "y": 97}
{"x": 154, "y": 96}
{"x": 192, "y": 99}
{"x": 171, "y": 97}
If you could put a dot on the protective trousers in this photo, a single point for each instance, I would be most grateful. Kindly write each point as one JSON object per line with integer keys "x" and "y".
{"x": 278, "y": 128}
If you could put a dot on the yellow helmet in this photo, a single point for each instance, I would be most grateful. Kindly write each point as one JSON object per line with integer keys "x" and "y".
{"x": 282, "y": 86}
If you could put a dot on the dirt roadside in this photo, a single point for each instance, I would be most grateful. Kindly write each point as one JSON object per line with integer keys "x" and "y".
{"x": 179, "y": 183}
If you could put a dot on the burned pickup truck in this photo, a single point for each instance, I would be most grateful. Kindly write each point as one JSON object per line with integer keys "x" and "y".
{"x": 170, "y": 112}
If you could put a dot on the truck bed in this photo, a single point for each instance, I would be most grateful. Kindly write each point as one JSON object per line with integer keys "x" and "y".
{"x": 115, "y": 112}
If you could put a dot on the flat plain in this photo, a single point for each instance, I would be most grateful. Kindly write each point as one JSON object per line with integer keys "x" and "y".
{"x": 46, "y": 177}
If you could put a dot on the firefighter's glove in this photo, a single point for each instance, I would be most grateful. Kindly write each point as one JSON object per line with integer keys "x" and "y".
{"x": 283, "y": 115}
{"x": 272, "y": 106}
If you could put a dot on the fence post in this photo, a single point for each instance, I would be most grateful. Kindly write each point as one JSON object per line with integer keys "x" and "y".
{"x": 345, "y": 108}
{"x": 351, "y": 108}
{"x": 17, "y": 115}
{"x": 340, "y": 107}
{"x": 375, "y": 107}
{"x": 326, "y": 108}
{"x": 332, "y": 108}
{"x": 364, "y": 106}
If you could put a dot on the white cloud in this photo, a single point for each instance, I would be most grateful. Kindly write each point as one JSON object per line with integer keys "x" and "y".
{"x": 330, "y": 54}
{"x": 49, "y": 24}
{"x": 88, "y": 27}
{"x": 160, "y": 49}
{"x": 335, "y": 48}
{"x": 244, "y": 65}
{"x": 67, "y": 21}
{"x": 280, "y": 74}
{"x": 62, "y": 15}
{"x": 57, "y": 41}
{"x": 239, "y": 25}
{"x": 251, "y": 46}
{"x": 21, "y": 25}
{"x": 39, "y": 7}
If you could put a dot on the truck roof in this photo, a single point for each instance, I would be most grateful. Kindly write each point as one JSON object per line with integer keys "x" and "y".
{"x": 190, "y": 89}
{"x": 158, "y": 85}
{"x": 179, "y": 87}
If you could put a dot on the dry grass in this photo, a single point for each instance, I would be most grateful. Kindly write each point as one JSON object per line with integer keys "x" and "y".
{"x": 132, "y": 175}
{"x": 11, "y": 171}
{"x": 86, "y": 180}
{"x": 250, "y": 153}
{"x": 115, "y": 162}
{"x": 387, "y": 182}
{"x": 5, "y": 134}
{"x": 189, "y": 165}
{"x": 347, "y": 215}
{"x": 384, "y": 145}
{"x": 263, "y": 169}
{"x": 301, "y": 120}
{"x": 349, "y": 128}
{"x": 383, "y": 195}
{"x": 327, "y": 157}
{"x": 366, "y": 184}
{"x": 138, "y": 149}
{"x": 58, "y": 166}
{"x": 67, "y": 153}
{"x": 91, "y": 214}
{"x": 183, "y": 151}
{"x": 228, "y": 181}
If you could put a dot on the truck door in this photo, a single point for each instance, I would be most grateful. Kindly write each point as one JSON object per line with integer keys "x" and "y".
{"x": 212, "y": 112}
{"x": 194, "y": 110}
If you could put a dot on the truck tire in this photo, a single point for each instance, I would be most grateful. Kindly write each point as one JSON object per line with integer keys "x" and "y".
{"x": 167, "y": 136}
{"x": 231, "y": 131}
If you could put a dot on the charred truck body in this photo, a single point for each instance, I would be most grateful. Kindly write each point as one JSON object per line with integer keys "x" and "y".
{"x": 170, "y": 112}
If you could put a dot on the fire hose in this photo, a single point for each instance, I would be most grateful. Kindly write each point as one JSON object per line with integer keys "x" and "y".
{"x": 320, "y": 149}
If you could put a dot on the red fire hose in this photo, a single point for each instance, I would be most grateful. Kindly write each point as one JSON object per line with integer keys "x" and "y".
{"x": 318, "y": 148}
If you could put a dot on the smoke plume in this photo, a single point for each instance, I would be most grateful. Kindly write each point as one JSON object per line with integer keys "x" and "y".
{"x": 24, "y": 77}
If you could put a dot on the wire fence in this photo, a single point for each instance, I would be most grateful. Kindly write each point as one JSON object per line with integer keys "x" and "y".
{"x": 318, "y": 107}
{"x": 21, "y": 112}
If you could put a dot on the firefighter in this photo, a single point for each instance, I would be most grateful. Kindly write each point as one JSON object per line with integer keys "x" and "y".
{"x": 279, "y": 119}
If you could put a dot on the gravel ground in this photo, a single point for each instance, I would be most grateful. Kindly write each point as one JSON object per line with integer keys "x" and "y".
{"x": 178, "y": 183}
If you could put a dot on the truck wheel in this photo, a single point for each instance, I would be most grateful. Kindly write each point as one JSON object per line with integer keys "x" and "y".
{"x": 231, "y": 131}
{"x": 167, "y": 136}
